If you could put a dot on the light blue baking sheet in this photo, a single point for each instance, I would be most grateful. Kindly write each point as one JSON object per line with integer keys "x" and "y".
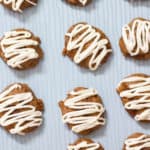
{"x": 55, "y": 75}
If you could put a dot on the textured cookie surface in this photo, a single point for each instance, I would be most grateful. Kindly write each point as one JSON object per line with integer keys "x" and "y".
{"x": 20, "y": 49}
{"x": 83, "y": 110}
{"x": 135, "y": 39}
{"x": 20, "y": 110}
{"x": 135, "y": 94}
{"x": 87, "y": 46}
{"x": 18, "y": 5}
{"x": 78, "y": 2}
{"x": 85, "y": 144}
{"x": 137, "y": 141}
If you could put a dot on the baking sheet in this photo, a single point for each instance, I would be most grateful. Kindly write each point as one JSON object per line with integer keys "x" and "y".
{"x": 55, "y": 75}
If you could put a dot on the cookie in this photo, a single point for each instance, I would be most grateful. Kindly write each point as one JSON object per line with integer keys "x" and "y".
{"x": 87, "y": 46}
{"x": 134, "y": 91}
{"x": 85, "y": 144}
{"x": 78, "y": 2}
{"x": 137, "y": 141}
{"x": 18, "y": 5}
{"x": 20, "y": 110}
{"x": 135, "y": 39}
{"x": 20, "y": 49}
{"x": 83, "y": 110}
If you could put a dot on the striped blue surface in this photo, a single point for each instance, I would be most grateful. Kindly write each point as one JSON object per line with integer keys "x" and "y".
{"x": 55, "y": 75}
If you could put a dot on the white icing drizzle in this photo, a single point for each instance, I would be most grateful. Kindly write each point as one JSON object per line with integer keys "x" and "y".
{"x": 138, "y": 87}
{"x": 82, "y": 115}
{"x": 16, "y": 4}
{"x": 28, "y": 118}
{"x": 84, "y": 145}
{"x": 138, "y": 143}
{"x": 83, "y": 2}
{"x": 137, "y": 37}
{"x": 18, "y": 48}
{"x": 97, "y": 49}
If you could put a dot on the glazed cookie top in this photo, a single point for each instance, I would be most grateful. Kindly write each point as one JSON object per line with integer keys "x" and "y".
{"x": 135, "y": 38}
{"x": 20, "y": 110}
{"x": 137, "y": 141}
{"x": 83, "y": 110}
{"x": 87, "y": 46}
{"x": 83, "y": 2}
{"x": 20, "y": 49}
{"x": 85, "y": 144}
{"x": 135, "y": 93}
{"x": 78, "y": 2}
{"x": 18, "y": 5}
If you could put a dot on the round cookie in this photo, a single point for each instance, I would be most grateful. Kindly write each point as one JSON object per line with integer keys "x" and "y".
{"x": 134, "y": 91}
{"x": 135, "y": 39}
{"x": 18, "y": 5}
{"x": 78, "y": 2}
{"x": 87, "y": 46}
{"x": 137, "y": 141}
{"x": 85, "y": 144}
{"x": 20, "y": 49}
{"x": 82, "y": 110}
{"x": 20, "y": 110}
